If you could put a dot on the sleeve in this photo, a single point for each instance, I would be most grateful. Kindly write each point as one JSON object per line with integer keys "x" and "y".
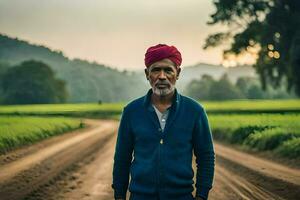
{"x": 122, "y": 157}
{"x": 205, "y": 155}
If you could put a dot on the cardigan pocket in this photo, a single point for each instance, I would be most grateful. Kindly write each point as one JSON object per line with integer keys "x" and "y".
{"x": 142, "y": 177}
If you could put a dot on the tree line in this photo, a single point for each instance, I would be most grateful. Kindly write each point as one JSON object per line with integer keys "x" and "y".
{"x": 207, "y": 88}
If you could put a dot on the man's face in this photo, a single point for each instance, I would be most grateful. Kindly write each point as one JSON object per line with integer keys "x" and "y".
{"x": 162, "y": 76}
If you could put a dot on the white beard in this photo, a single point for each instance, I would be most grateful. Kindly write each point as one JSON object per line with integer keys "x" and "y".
{"x": 163, "y": 92}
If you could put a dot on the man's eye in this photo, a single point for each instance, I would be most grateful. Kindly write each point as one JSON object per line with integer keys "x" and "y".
{"x": 168, "y": 71}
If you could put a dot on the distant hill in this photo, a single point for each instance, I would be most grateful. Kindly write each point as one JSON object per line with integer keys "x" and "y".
{"x": 90, "y": 82}
{"x": 86, "y": 82}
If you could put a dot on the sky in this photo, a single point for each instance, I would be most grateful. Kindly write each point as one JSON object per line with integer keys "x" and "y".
{"x": 113, "y": 32}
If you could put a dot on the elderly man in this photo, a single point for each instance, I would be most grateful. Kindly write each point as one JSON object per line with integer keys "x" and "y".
{"x": 157, "y": 136}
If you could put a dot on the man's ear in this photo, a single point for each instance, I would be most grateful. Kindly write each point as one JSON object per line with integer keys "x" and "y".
{"x": 178, "y": 72}
{"x": 147, "y": 73}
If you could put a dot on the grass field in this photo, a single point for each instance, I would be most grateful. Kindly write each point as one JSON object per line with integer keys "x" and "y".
{"x": 263, "y": 132}
{"x": 19, "y": 131}
{"x": 252, "y": 106}
{"x": 76, "y": 110}
{"x": 271, "y": 125}
{"x": 107, "y": 110}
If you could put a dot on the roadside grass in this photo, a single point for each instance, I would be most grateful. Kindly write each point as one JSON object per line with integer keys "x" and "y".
{"x": 290, "y": 148}
{"x": 262, "y": 132}
{"x": 20, "y": 131}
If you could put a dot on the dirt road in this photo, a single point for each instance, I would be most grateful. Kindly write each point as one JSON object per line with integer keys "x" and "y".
{"x": 237, "y": 176}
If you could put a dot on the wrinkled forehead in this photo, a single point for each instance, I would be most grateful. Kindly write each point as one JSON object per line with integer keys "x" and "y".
{"x": 164, "y": 63}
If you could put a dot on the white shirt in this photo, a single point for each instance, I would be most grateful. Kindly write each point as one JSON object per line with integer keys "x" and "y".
{"x": 162, "y": 117}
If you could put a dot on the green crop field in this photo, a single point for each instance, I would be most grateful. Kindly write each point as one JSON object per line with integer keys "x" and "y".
{"x": 107, "y": 110}
{"x": 81, "y": 110}
{"x": 19, "y": 131}
{"x": 273, "y": 132}
{"x": 270, "y": 125}
{"x": 252, "y": 106}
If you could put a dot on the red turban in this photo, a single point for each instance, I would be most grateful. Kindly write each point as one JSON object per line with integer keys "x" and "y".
{"x": 162, "y": 51}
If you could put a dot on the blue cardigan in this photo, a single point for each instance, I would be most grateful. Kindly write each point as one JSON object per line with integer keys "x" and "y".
{"x": 160, "y": 162}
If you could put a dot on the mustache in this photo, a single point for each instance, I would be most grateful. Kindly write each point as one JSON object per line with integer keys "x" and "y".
{"x": 165, "y": 82}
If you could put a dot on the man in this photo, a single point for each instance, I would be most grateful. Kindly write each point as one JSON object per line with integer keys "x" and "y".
{"x": 157, "y": 136}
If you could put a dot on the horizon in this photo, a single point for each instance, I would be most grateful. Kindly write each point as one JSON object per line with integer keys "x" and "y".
{"x": 98, "y": 63}
{"x": 113, "y": 33}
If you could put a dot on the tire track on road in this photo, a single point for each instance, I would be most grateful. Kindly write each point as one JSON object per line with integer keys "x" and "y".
{"x": 20, "y": 177}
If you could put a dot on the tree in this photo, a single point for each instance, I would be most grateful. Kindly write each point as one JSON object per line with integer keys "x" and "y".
{"x": 271, "y": 27}
{"x": 247, "y": 85}
{"x": 200, "y": 89}
{"x": 32, "y": 82}
{"x": 209, "y": 89}
{"x": 224, "y": 90}
{"x": 255, "y": 92}
{"x": 3, "y": 69}
{"x": 242, "y": 84}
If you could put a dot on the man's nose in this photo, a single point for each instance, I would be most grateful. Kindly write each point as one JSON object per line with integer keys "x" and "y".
{"x": 162, "y": 75}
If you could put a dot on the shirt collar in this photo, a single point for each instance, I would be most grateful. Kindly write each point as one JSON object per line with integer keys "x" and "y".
{"x": 148, "y": 105}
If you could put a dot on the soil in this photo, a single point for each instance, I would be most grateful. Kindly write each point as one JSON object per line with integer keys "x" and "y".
{"x": 78, "y": 165}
